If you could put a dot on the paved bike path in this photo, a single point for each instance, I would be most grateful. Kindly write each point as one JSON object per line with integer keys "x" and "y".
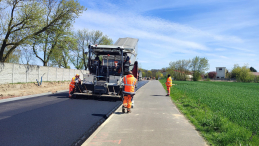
{"x": 154, "y": 121}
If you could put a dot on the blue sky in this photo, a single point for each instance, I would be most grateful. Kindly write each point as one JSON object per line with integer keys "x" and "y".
{"x": 224, "y": 32}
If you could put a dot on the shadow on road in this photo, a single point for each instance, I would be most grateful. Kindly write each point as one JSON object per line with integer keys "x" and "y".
{"x": 100, "y": 115}
{"x": 119, "y": 113}
{"x": 157, "y": 95}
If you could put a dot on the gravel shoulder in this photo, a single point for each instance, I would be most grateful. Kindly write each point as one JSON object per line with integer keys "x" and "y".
{"x": 23, "y": 89}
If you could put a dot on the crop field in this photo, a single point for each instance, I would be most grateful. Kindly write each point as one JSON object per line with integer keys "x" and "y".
{"x": 226, "y": 113}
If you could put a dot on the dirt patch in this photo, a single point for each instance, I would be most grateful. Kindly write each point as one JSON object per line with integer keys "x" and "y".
{"x": 16, "y": 90}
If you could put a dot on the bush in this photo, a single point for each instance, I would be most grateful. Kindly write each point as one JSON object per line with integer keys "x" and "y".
{"x": 212, "y": 74}
{"x": 256, "y": 79}
{"x": 196, "y": 76}
{"x": 242, "y": 74}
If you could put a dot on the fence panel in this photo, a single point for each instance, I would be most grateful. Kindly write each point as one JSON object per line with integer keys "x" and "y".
{"x": 14, "y": 73}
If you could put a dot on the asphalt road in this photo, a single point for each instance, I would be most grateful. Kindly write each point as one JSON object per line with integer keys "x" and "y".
{"x": 52, "y": 119}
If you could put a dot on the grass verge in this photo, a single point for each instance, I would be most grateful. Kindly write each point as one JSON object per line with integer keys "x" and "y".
{"x": 224, "y": 113}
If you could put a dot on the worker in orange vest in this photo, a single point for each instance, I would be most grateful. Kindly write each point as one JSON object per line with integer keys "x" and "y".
{"x": 168, "y": 84}
{"x": 129, "y": 90}
{"x": 72, "y": 84}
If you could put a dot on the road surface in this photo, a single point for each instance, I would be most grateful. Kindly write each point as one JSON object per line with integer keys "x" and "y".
{"x": 52, "y": 119}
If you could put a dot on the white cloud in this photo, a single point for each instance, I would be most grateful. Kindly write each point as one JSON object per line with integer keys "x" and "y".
{"x": 223, "y": 57}
{"x": 143, "y": 27}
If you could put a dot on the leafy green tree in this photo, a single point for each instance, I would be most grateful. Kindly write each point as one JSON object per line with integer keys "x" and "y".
{"x": 235, "y": 71}
{"x": 14, "y": 57}
{"x": 144, "y": 74}
{"x": 153, "y": 72}
{"x": 61, "y": 55}
{"x": 149, "y": 73}
{"x": 106, "y": 40}
{"x": 199, "y": 66}
{"x": 242, "y": 74}
{"x": 29, "y": 19}
{"x": 158, "y": 74}
{"x": 48, "y": 41}
{"x": 229, "y": 75}
{"x": 252, "y": 69}
{"x": 170, "y": 70}
{"x": 179, "y": 69}
{"x": 163, "y": 70}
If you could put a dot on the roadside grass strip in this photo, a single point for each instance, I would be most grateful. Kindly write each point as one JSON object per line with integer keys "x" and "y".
{"x": 225, "y": 113}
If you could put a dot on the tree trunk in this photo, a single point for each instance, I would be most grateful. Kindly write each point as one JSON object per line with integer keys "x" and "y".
{"x": 2, "y": 54}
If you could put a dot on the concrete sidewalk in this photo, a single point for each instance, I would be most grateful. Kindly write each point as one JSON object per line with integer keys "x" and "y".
{"x": 154, "y": 121}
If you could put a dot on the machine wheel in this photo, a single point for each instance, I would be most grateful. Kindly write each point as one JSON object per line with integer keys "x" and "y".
{"x": 123, "y": 109}
{"x": 122, "y": 96}
{"x": 132, "y": 106}
{"x": 73, "y": 96}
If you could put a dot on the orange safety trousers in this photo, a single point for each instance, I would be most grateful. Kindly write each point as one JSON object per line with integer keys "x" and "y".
{"x": 127, "y": 101}
{"x": 168, "y": 89}
{"x": 71, "y": 86}
{"x": 71, "y": 89}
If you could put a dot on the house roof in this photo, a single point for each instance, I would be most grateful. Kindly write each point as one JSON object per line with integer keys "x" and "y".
{"x": 255, "y": 73}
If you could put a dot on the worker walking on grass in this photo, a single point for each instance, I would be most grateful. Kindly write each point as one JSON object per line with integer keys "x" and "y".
{"x": 129, "y": 90}
{"x": 72, "y": 84}
{"x": 168, "y": 84}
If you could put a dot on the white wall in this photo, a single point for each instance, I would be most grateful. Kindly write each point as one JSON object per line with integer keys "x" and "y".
{"x": 14, "y": 73}
{"x": 221, "y": 73}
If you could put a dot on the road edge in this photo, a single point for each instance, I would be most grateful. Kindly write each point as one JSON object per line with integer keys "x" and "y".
{"x": 28, "y": 96}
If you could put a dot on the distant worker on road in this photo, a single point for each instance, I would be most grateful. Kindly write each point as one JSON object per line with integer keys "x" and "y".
{"x": 168, "y": 84}
{"x": 129, "y": 90}
{"x": 72, "y": 84}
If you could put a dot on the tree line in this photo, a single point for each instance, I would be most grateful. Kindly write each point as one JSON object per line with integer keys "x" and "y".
{"x": 183, "y": 70}
{"x": 42, "y": 30}
{"x": 195, "y": 69}
{"x": 239, "y": 73}
{"x": 153, "y": 73}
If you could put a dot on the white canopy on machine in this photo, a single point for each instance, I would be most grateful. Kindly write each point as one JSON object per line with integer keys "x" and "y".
{"x": 129, "y": 45}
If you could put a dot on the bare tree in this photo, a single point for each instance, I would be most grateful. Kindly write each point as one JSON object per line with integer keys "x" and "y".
{"x": 27, "y": 55}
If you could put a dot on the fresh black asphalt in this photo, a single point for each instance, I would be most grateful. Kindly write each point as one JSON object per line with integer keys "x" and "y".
{"x": 52, "y": 120}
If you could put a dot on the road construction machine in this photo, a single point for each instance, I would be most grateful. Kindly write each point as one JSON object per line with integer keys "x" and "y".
{"x": 107, "y": 65}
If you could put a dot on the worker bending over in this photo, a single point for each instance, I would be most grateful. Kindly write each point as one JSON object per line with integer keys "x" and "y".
{"x": 168, "y": 84}
{"x": 129, "y": 90}
{"x": 75, "y": 80}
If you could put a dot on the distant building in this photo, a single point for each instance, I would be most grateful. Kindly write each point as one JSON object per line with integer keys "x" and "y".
{"x": 189, "y": 76}
{"x": 255, "y": 73}
{"x": 221, "y": 72}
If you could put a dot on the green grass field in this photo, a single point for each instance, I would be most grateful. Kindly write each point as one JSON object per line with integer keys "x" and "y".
{"x": 226, "y": 113}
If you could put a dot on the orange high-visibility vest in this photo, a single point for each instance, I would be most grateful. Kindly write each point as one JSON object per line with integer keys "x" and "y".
{"x": 169, "y": 82}
{"x": 72, "y": 83}
{"x": 129, "y": 83}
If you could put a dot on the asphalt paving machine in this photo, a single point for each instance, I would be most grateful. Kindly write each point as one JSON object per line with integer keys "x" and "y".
{"x": 107, "y": 65}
